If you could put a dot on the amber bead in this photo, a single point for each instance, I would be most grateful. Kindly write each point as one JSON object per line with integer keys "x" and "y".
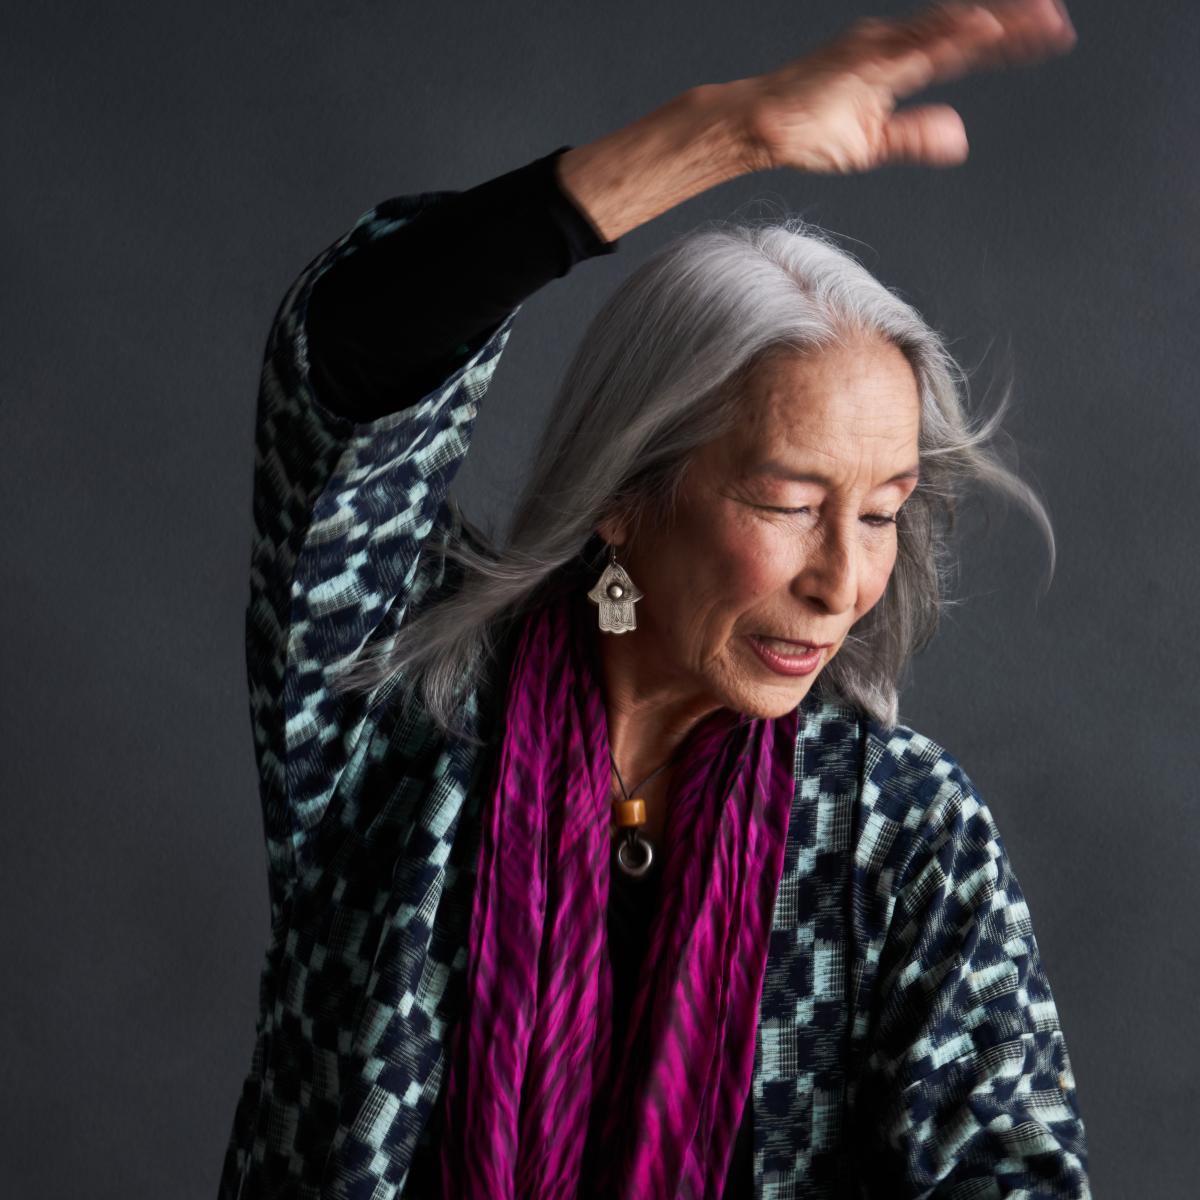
{"x": 629, "y": 812}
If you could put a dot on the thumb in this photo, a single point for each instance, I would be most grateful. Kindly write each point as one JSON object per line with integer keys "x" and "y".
{"x": 931, "y": 134}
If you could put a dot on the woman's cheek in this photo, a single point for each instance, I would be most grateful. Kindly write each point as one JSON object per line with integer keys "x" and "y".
{"x": 876, "y": 585}
{"x": 755, "y": 566}
{"x": 739, "y": 557}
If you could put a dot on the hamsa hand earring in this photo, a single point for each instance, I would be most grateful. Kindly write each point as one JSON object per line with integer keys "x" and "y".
{"x": 616, "y": 594}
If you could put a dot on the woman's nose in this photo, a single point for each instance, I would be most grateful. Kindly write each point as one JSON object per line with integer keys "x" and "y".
{"x": 829, "y": 576}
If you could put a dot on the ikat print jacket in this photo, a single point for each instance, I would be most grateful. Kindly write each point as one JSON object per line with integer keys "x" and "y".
{"x": 908, "y": 1043}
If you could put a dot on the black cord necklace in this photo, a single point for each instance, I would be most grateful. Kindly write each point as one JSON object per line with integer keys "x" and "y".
{"x": 634, "y": 852}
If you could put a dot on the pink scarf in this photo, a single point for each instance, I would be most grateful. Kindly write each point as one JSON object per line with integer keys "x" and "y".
{"x": 533, "y": 1109}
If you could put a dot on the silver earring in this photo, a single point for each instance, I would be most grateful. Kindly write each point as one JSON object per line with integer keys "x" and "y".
{"x": 615, "y": 594}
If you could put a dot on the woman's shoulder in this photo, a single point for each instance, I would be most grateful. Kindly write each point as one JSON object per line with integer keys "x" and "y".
{"x": 907, "y": 790}
{"x": 908, "y": 766}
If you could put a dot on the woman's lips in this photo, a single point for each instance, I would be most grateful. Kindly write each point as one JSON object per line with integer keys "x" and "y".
{"x": 787, "y": 664}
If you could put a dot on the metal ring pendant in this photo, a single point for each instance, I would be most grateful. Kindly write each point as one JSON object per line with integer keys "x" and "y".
{"x": 633, "y": 841}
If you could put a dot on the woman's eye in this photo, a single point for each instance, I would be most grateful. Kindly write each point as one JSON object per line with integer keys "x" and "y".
{"x": 877, "y": 519}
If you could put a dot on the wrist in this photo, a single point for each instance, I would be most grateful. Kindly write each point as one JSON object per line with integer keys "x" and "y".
{"x": 693, "y": 142}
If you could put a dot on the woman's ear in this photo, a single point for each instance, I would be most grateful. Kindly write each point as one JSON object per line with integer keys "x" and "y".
{"x": 613, "y": 530}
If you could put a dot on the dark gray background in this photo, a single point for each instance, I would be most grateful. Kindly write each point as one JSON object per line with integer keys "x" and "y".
{"x": 168, "y": 170}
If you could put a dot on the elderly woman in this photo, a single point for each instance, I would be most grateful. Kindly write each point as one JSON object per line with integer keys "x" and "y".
{"x": 599, "y": 863}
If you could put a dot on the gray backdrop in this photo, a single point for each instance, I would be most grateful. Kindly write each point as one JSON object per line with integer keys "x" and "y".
{"x": 168, "y": 170}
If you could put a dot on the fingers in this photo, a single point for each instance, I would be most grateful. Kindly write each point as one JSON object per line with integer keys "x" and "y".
{"x": 940, "y": 44}
{"x": 1033, "y": 29}
{"x": 931, "y": 134}
{"x": 945, "y": 41}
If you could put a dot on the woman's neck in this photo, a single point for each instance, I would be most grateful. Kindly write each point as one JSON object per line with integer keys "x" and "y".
{"x": 649, "y": 712}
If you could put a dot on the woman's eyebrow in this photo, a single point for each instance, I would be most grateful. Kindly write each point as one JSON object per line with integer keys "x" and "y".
{"x": 782, "y": 471}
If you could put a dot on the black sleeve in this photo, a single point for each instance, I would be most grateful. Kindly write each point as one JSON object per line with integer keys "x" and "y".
{"x": 388, "y": 323}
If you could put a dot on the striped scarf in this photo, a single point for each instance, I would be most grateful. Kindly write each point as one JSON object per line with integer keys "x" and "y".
{"x": 538, "y": 1102}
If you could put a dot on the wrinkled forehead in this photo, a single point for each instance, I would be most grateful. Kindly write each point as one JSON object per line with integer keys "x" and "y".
{"x": 858, "y": 396}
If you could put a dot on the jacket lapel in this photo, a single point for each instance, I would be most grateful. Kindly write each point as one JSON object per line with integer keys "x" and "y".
{"x": 798, "y": 1082}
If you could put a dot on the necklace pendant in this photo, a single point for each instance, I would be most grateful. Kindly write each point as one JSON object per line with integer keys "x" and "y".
{"x": 634, "y": 852}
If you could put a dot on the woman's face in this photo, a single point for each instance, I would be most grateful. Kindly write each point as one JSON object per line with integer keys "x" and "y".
{"x": 784, "y": 529}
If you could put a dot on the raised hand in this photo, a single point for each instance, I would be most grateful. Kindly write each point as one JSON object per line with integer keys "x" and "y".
{"x": 834, "y": 111}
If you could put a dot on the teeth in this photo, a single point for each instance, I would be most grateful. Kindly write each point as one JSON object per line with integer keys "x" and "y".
{"x": 782, "y": 647}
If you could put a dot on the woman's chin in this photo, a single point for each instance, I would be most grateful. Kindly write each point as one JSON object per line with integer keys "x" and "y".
{"x": 771, "y": 700}
{"x": 764, "y": 692}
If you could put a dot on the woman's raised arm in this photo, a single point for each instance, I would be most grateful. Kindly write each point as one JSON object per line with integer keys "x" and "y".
{"x": 832, "y": 111}
{"x": 391, "y": 321}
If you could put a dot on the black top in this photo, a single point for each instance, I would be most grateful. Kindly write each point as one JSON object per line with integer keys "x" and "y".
{"x": 508, "y": 237}
{"x": 390, "y": 322}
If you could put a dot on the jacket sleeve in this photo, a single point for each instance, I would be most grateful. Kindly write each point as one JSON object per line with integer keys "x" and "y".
{"x": 343, "y": 510}
{"x": 967, "y": 1089}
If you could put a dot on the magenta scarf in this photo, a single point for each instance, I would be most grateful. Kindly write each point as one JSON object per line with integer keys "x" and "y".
{"x": 539, "y": 1103}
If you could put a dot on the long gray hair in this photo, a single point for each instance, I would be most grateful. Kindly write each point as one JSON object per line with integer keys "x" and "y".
{"x": 656, "y": 376}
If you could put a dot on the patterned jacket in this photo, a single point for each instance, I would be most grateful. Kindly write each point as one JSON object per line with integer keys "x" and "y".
{"x": 908, "y": 1043}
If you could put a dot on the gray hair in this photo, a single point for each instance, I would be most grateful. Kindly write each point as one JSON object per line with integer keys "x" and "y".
{"x": 656, "y": 377}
